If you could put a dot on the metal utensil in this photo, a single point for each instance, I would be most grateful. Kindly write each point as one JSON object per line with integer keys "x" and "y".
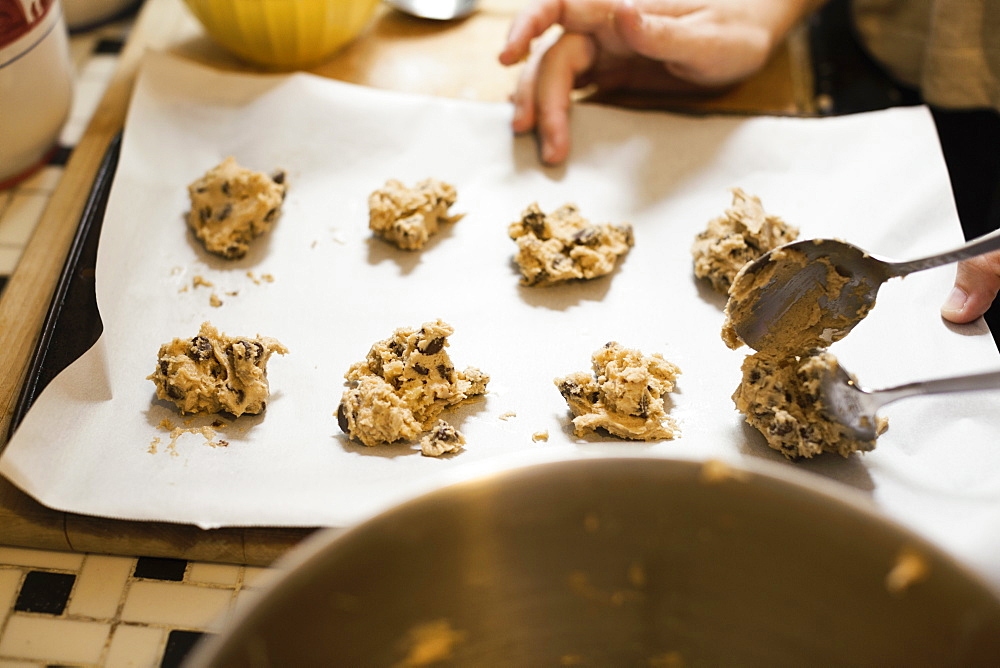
{"x": 854, "y": 407}
{"x": 438, "y": 10}
{"x": 803, "y": 267}
{"x": 618, "y": 561}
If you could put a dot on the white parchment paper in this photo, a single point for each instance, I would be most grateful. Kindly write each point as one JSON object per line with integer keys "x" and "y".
{"x": 93, "y": 443}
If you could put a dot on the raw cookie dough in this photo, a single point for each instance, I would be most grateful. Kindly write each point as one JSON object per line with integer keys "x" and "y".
{"x": 564, "y": 245}
{"x": 407, "y": 217}
{"x": 624, "y": 395}
{"x": 403, "y": 385}
{"x": 212, "y": 372}
{"x": 230, "y": 205}
{"x": 806, "y": 321}
{"x": 441, "y": 440}
{"x": 780, "y": 398}
{"x": 742, "y": 234}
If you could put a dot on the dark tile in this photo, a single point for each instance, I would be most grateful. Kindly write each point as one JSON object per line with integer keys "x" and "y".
{"x": 156, "y": 568}
{"x": 109, "y": 45}
{"x": 179, "y": 645}
{"x": 61, "y": 156}
{"x": 46, "y": 592}
{"x": 3, "y": 283}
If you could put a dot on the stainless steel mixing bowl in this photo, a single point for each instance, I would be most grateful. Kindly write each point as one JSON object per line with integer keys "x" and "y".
{"x": 629, "y": 561}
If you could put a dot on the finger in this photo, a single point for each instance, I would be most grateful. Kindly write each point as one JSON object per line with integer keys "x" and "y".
{"x": 572, "y": 55}
{"x": 523, "y": 98}
{"x": 977, "y": 282}
{"x": 524, "y": 95}
{"x": 703, "y": 51}
{"x": 582, "y": 16}
{"x": 658, "y": 36}
{"x": 526, "y": 26}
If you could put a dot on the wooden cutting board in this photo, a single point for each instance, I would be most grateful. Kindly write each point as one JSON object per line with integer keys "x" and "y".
{"x": 396, "y": 52}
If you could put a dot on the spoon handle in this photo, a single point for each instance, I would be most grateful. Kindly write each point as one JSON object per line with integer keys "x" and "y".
{"x": 979, "y": 381}
{"x": 980, "y": 245}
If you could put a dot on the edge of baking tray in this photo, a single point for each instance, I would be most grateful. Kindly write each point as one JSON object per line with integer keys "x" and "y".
{"x": 72, "y": 323}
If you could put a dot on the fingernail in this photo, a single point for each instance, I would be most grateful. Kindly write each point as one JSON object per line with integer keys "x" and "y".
{"x": 628, "y": 7}
{"x": 956, "y": 300}
{"x": 548, "y": 152}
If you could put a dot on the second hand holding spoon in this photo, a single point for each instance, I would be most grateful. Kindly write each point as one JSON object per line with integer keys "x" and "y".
{"x": 808, "y": 294}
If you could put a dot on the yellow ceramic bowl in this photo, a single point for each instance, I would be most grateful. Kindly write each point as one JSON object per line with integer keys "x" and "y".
{"x": 283, "y": 34}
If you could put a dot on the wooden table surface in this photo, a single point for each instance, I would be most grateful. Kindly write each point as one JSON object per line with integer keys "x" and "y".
{"x": 396, "y": 52}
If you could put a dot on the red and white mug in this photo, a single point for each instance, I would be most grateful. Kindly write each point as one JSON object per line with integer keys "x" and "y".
{"x": 36, "y": 84}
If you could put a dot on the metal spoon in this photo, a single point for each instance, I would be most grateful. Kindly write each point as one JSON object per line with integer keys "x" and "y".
{"x": 808, "y": 294}
{"x": 438, "y": 10}
{"x": 849, "y": 404}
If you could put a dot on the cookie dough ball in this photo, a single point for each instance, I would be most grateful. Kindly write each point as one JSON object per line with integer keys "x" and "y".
{"x": 443, "y": 439}
{"x": 404, "y": 384}
{"x": 564, "y": 245}
{"x": 625, "y": 394}
{"x": 373, "y": 413}
{"x": 408, "y": 217}
{"x": 742, "y": 234}
{"x": 231, "y": 205}
{"x": 780, "y": 398}
{"x": 212, "y": 372}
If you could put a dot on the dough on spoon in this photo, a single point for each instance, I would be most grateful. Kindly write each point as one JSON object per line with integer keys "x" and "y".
{"x": 780, "y": 397}
{"x": 806, "y": 322}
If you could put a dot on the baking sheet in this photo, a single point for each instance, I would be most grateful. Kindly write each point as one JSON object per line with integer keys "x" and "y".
{"x": 93, "y": 442}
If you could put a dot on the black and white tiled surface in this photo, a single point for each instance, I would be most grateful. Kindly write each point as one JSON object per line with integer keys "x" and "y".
{"x": 72, "y": 609}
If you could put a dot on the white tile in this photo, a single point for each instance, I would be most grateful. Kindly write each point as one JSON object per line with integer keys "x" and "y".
{"x": 10, "y": 582}
{"x": 80, "y": 48}
{"x": 60, "y": 561}
{"x": 9, "y": 257}
{"x": 135, "y": 646}
{"x": 86, "y": 96}
{"x": 100, "y": 586}
{"x": 207, "y": 573}
{"x": 21, "y": 216}
{"x": 100, "y": 67}
{"x": 53, "y": 640}
{"x": 246, "y": 599}
{"x": 175, "y": 604}
{"x": 73, "y": 130}
{"x": 254, "y": 576}
{"x": 45, "y": 179}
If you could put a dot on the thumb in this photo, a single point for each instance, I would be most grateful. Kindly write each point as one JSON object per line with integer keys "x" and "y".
{"x": 977, "y": 282}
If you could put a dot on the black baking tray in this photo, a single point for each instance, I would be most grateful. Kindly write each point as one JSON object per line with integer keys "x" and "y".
{"x": 72, "y": 324}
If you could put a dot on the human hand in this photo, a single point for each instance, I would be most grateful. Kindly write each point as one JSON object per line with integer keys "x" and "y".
{"x": 977, "y": 282}
{"x": 649, "y": 45}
